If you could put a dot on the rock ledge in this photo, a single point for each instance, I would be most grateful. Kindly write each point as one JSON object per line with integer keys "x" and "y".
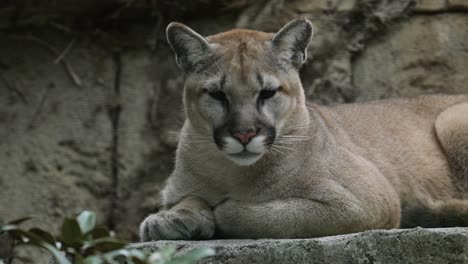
{"x": 444, "y": 245}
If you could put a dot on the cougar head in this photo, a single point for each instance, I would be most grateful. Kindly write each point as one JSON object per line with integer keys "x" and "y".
{"x": 242, "y": 87}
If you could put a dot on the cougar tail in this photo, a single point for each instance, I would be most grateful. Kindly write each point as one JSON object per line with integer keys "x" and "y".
{"x": 451, "y": 127}
{"x": 449, "y": 213}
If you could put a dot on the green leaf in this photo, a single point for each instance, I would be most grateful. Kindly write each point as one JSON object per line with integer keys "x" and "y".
{"x": 87, "y": 221}
{"x": 44, "y": 235}
{"x": 59, "y": 256}
{"x": 19, "y": 221}
{"x": 71, "y": 233}
{"x": 192, "y": 256}
{"x": 134, "y": 255}
{"x": 37, "y": 240}
{"x": 17, "y": 233}
{"x": 22, "y": 259}
{"x": 33, "y": 238}
{"x": 100, "y": 231}
{"x": 137, "y": 260}
{"x": 104, "y": 245}
{"x": 9, "y": 227}
{"x": 167, "y": 252}
{"x": 77, "y": 257}
{"x": 93, "y": 260}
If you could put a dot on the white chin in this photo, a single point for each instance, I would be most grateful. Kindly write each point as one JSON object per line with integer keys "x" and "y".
{"x": 245, "y": 159}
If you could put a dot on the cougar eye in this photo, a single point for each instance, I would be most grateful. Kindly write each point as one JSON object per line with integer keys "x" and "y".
{"x": 267, "y": 94}
{"x": 218, "y": 95}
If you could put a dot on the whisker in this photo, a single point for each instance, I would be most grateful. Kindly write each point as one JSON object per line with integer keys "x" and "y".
{"x": 287, "y": 131}
{"x": 277, "y": 150}
{"x": 210, "y": 73}
{"x": 294, "y": 139}
{"x": 288, "y": 141}
{"x": 285, "y": 143}
{"x": 217, "y": 66}
{"x": 284, "y": 147}
{"x": 299, "y": 125}
{"x": 199, "y": 139}
{"x": 293, "y": 136}
{"x": 196, "y": 136}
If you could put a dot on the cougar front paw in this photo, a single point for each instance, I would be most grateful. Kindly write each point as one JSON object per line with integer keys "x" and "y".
{"x": 182, "y": 224}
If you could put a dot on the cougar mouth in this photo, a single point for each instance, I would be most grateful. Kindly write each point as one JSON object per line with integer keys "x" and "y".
{"x": 245, "y": 154}
{"x": 245, "y": 157}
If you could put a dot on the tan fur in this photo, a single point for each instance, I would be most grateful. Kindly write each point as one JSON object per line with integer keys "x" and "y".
{"x": 350, "y": 168}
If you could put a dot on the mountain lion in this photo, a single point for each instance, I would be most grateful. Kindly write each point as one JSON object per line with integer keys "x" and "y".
{"x": 254, "y": 161}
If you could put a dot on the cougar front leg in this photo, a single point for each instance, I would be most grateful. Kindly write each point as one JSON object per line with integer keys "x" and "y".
{"x": 296, "y": 218}
{"x": 191, "y": 218}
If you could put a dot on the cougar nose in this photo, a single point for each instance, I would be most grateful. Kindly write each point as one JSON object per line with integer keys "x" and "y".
{"x": 244, "y": 137}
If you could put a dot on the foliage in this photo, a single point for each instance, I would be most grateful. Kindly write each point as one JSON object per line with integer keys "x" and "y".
{"x": 83, "y": 242}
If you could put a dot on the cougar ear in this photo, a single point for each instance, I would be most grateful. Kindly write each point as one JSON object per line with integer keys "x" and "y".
{"x": 292, "y": 40}
{"x": 190, "y": 48}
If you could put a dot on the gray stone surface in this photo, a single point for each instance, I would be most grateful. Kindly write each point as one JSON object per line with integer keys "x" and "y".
{"x": 378, "y": 246}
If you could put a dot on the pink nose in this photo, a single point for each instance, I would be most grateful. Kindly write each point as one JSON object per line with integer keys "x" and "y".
{"x": 244, "y": 138}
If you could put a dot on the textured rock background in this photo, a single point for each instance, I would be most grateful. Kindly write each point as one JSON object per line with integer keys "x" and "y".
{"x": 377, "y": 246}
{"x": 90, "y": 95}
